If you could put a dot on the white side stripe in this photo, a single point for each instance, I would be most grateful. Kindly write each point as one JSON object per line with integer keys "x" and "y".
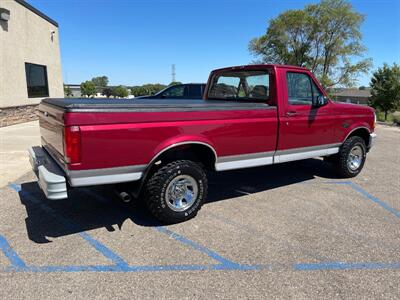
{"x": 269, "y": 159}
{"x": 239, "y": 164}
{"x": 304, "y": 155}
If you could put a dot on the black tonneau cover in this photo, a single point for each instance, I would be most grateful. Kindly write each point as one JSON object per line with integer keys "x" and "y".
{"x": 148, "y": 105}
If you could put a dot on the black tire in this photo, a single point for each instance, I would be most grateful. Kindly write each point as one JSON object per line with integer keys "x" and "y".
{"x": 341, "y": 160}
{"x": 157, "y": 195}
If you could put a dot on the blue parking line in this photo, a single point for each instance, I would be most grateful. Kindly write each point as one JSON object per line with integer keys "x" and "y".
{"x": 367, "y": 195}
{"x": 345, "y": 266}
{"x": 12, "y": 256}
{"x": 104, "y": 250}
{"x": 225, "y": 263}
{"x": 73, "y": 227}
{"x": 129, "y": 269}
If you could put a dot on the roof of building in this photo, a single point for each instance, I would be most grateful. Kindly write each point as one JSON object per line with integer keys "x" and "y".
{"x": 352, "y": 92}
{"x": 36, "y": 11}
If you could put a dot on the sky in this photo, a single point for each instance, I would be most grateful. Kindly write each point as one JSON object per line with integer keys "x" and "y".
{"x": 136, "y": 41}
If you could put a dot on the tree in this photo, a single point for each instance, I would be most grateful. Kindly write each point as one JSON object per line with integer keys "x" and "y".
{"x": 120, "y": 92}
{"x": 101, "y": 81}
{"x": 323, "y": 37}
{"x": 138, "y": 91}
{"x": 88, "y": 88}
{"x": 174, "y": 83}
{"x": 153, "y": 88}
{"x": 67, "y": 91}
{"x": 385, "y": 88}
{"x": 108, "y": 92}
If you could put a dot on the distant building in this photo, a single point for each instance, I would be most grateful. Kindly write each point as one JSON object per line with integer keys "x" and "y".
{"x": 75, "y": 90}
{"x": 30, "y": 63}
{"x": 352, "y": 95}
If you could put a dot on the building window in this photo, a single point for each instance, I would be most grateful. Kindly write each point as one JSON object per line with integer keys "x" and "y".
{"x": 36, "y": 80}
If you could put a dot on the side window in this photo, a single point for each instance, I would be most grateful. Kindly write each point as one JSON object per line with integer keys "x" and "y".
{"x": 195, "y": 91}
{"x": 175, "y": 92}
{"x": 299, "y": 88}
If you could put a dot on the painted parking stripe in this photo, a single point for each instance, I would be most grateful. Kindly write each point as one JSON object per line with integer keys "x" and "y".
{"x": 73, "y": 227}
{"x": 345, "y": 266}
{"x": 12, "y": 256}
{"x": 375, "y": 199}
{"x": 225, "y": 263}
{"x": 367, "y": 195}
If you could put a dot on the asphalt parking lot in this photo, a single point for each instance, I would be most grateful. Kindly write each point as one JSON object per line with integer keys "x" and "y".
{"x": 291, "y": 230}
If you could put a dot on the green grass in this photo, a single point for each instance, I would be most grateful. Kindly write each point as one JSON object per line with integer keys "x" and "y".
{"x": 391, "y": 118}
{"x": 381, "y": 116}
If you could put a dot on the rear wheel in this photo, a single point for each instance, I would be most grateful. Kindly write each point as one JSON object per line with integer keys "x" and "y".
{"x": 351, "y": 157}
{"x": 176, "y": 192}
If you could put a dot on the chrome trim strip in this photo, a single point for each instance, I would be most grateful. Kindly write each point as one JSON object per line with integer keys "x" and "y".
{"x": 104, "y": 179}
{"x": 179, "y": 144}
{"x": 354, "y": 129}
{"x": 106, "y": 171}
{"x": 232, "y": 158}
{"x": 246, "y": 163}
{"x": 304, "y": 155}
{"x": 267, "y": 158}
{"x": 307, "y": 149}
{"x": 105, "y": 176}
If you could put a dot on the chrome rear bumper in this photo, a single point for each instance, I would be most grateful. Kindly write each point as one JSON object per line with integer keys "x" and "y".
{"x": 51, "y": 178}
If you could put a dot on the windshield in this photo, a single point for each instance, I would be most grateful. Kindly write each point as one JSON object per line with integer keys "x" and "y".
{"x": 250, "y": 85}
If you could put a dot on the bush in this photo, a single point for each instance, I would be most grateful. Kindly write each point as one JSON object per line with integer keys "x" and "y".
{"x": 396, "y": 117}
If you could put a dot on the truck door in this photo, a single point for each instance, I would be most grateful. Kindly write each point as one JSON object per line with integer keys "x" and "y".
{"x": 304, "y": 129}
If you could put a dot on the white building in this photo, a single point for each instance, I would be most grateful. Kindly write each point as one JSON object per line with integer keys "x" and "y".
{"x": 30, "y": 63}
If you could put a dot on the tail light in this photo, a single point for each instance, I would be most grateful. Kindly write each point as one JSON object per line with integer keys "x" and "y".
{"x": 72, "y": 144}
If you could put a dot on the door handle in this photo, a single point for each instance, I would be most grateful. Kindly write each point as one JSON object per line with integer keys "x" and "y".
{"x": 291, "y": 113}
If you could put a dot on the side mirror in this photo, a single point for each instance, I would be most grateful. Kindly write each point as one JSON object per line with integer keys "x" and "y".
{"x": 320, "y": 101}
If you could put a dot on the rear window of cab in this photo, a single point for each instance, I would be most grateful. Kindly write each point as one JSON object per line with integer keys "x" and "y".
{"x": 241, "y": 85}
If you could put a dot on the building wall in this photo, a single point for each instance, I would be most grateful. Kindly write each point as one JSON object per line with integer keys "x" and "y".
{"x": 27, "y": 37}
{"x": 354, "y": 100}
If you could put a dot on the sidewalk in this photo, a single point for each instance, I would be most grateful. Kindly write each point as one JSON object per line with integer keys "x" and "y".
{"x": 14, "y": 142}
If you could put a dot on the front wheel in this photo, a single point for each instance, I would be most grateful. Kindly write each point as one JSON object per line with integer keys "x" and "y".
{"x": 176, "y": 192}
{"x": 351, "y": 157}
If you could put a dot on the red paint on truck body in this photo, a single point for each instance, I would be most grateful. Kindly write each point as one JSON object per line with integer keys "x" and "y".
{"x": 121, "y": 139}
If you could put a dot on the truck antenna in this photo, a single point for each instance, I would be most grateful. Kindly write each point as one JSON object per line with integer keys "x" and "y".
{"x": 173, "y": 73}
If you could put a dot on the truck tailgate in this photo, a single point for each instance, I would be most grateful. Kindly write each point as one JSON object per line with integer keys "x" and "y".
{"x": 51, "y": 121}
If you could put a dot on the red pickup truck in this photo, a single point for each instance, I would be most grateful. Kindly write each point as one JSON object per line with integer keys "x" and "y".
{"x": 161, "y": 149}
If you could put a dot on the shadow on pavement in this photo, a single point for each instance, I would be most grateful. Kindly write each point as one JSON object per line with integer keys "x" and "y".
{"x": 98, "y": 207}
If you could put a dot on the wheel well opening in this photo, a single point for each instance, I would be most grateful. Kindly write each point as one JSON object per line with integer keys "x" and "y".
{"x": 196, "y": 152}
{"x": 362, "y": 133}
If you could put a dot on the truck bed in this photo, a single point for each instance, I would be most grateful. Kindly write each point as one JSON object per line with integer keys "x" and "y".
{"x": 148, "y": 105}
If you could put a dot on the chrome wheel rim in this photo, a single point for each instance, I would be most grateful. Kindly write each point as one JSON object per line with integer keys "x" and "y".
{"x": 355, "y": 158}
{"x": 181, "y": 193}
